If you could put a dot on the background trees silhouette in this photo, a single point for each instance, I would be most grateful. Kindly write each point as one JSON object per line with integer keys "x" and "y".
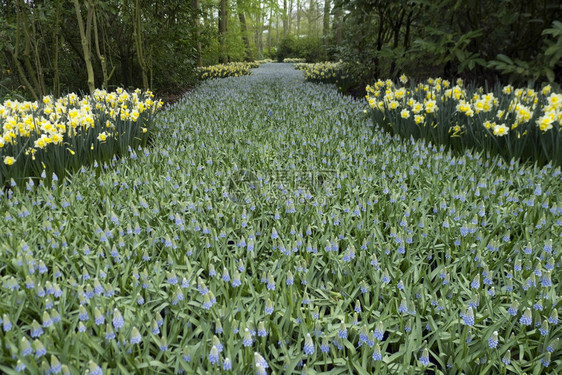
{"x": 60, "y": 46}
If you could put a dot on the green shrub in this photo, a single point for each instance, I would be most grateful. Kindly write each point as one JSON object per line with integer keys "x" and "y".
{"x": 286, "y": 48}
{"x": 311, "y": 49}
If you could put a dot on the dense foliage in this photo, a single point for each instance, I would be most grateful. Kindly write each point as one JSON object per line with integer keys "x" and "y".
{"x": 270, "y": 228}
{"x": 308, "y": 48}
{"x": 514, "y": 41}
{"x": 46, "y": 45}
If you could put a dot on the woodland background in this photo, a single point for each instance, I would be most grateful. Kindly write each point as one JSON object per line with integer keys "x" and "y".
{"x": 61, "y": 46}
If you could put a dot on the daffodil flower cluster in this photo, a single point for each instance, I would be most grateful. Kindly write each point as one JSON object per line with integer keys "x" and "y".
{"x": 233, "y": 69}
{"x": 294, "y": 60}
{"x": 439, "y": 109}
{"x": 70, "y": 125}
{"x": 263, "y": 61}
{"x": 327, "y": 72}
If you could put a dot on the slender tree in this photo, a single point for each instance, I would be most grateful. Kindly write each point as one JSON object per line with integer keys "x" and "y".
{"x": 196, "y": 19}
{"x": 269, "y": 31}
{"x": 56, "y": 37}
{"x": 15, "y": 53}
{"x": 240, "y": 8}
{"x": 337, "y": 24}
{"x": 106, "y": 76}
{"x": 290, "y": 16}
{"x": 285, "y": 18}
{"x": 326, "y": 18}
{"x": 86, "y": 41}
{"x": 139, "y": 43}
{"x": 223, "y": 18}
{"x": 258, "y": 32}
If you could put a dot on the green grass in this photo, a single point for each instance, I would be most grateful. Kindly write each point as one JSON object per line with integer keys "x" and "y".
{"x": 376, "y": 242}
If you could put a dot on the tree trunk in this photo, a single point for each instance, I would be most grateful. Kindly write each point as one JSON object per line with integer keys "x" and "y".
{"x": 310, "y": 18}
{"x": 56, "y": 32}
{"x": 15, "y": 57}
{"x": 298, "y": 18}
{"x": 223, "y": 16}
{"x": 197, "y": 31}
{"x": 258, "y": 36}
{"x": 396, "y": 39}
{"x": 290, "y": 16}
{"x": 103, "y": 62}
{"x": 244, "y": 29}
{"x": 27, "y": 62}
{"x": 326, "y": 19}
{"x": 269, "y": 34}
{"x": 35, "y": 41}
{"x": 285, "y": 18}
{"x": 34, "y": 76}
{"x": 277, "y": 28}
{"x": 380, "y": 39}
{"x": 124, "y": 58}
{"x": 337, "y": 26}
{"x": 137, "y": 31}
{"x": 86, "y": 40}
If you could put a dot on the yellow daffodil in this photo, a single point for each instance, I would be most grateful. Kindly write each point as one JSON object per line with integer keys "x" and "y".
{"x": 545, "y": 122}
{"x": 430, "y": 106}
{"x": 500, "y": 130}
{"x": 9, "y": 160}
